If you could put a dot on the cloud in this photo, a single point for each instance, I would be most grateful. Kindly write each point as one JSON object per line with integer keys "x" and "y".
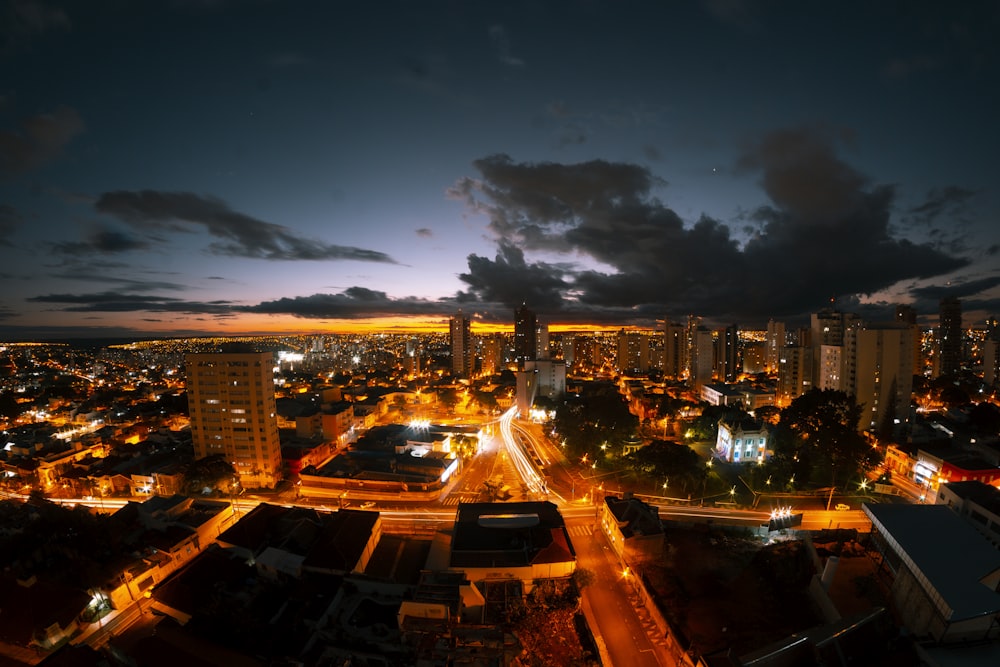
{"x": 509, "y": 280}
{"x": 101, "y": 241}
{"x": 115, "y": 302}
{"x": 352, "y": 303}
{"x": 424, "y": 233}
{"x": 825, "y": 233}
{"x": 10, "y": 219}
{"x": 957, "y": 289}
{"x": 86, "y": 273}
{"x": 22, "y": 20}
{"x": 39, "y": 140}
{"x": 501, "y": 45}
{"x": 241, "y": 235}
{"x": 950, "y": 200}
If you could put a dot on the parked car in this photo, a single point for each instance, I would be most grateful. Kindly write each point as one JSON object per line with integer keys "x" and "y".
{"x": 842, "y": 506}
{"x": 367, "y": 505}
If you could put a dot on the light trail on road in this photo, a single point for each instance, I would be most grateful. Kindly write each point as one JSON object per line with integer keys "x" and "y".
{"x": 525, "y": 468}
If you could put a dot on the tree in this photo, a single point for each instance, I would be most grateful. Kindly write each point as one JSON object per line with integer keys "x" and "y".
{"x": 9, "y": 408}
{"x": 661, "y": 459}
{"x": 598, "y": 416}
{"x": 818, "y": 437}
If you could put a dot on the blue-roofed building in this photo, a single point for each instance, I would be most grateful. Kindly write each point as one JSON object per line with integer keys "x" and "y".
{"x": 944, "y": 574}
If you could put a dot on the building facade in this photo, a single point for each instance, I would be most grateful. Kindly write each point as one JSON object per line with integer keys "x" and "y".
{"x": 460, "y": 338}
{"x": 233, "y": 414}
{"x": 525, "y": 335}
{"x": 949, "y": 336}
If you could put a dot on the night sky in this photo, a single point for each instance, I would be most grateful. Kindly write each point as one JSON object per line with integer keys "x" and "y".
{"x": 234, "y": 166}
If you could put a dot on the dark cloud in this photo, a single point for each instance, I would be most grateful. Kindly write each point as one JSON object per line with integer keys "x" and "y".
{"x": 652, "y": 153}
{"x": 424, "y": 232}
{"x": 510, "y": 280}
{"x": 102, "y": 241}
{"x": 22, "y": 20}
{"x": 957, "y": 289}
{"x": 86, "y": 273}
{"x": 824, "y": 234}
{"x": 501, "y": 44}
{"x": 241, "y": 234}
{"x": 114, "y": 302}
{"x": 39, "y": 140}
{"x": 352, "y": 303}
{"x": 10, "y": 219}
{"x": 947, "y": 201}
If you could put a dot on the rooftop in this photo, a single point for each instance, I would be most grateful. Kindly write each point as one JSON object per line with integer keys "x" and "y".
{"x": 930, "y": 536}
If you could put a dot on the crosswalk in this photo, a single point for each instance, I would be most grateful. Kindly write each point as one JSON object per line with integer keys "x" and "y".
{"x": 580, "y": 531}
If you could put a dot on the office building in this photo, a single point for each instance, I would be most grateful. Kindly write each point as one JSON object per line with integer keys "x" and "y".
{"x": 231, "y": 399}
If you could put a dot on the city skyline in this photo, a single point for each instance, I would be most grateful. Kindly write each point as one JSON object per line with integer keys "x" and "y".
{"x": 204, "y": 168}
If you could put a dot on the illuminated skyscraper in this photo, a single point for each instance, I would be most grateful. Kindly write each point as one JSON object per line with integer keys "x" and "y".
{"x": 231, "y": 399}
{"x": 525, "y": 329}
{"x": 949, "y": 336}
{"x": 461, "y": 345}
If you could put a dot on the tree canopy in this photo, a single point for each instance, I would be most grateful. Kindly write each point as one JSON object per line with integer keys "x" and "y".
{"x": 662, "y": 459}
{"x": 597, "y": 416}
{"x": 817, "y": 440}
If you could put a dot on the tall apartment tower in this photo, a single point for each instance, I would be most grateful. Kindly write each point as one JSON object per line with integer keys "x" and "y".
{"x": 231, "y": 399}
{"x": 878, "y": 372}
{"x": 794, "y": 373}
{"x": 826, "y": 334}
{"x": 492, "y": 354}
{"x": 525, "y": 329}
{"x": 460, "y": 337}
{"x": 702, "y": 357}
{"x": 728, "y": 356}
{"x": 633, "y": 352}
{"x": 949, "y": 336}
{"x": 773, "y": 342}
{"x": 674, "y": 349}
{"x": 541, "y": 341}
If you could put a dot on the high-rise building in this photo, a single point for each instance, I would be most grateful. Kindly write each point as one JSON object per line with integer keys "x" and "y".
{"x": 774, "y": 341}
{"x": 991, "y": 362}
{"x": 794, "y": 373}
{"x": 878, "y": 372}
{"x": 541, "y": 341}
{"x": 231, "y": 399}
{"x": 826, "y": 337}
{"x": 905, "y": 314}
{"x": 633, "y": 352}
{"x": 702, "y": 357}
{"x": 728, "y": 364}
{"x": 460, "y": 335}
{"x": 949, "y": 336}
{"x": 492, "y": 354}
{"x": 674, "y": 349}
{"x": 525, "y": 329}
